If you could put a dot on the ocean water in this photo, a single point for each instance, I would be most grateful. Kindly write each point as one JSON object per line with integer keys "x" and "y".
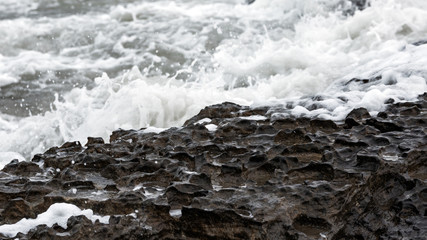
{"x": 70, "y": 69}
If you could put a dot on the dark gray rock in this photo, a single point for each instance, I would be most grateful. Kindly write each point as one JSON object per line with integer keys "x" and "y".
{"x": 281, "y": 178}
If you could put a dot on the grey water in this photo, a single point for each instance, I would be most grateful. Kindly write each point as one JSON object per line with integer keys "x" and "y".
{"x": 70, "y": 69}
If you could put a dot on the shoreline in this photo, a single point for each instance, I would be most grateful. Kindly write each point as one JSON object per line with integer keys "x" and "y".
{"x": 235, "y": 172}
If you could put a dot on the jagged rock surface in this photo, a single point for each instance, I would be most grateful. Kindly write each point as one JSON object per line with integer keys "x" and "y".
{"x": 244, "y": 173}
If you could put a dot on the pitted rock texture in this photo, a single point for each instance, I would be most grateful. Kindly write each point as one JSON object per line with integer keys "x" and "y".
{"x": 234, "y": 172}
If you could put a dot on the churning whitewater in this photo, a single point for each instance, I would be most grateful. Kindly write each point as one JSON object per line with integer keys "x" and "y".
{"x": 70, "y": 69}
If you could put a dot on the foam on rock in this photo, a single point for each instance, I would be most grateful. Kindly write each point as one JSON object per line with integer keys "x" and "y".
{"x": 231, "y": 172}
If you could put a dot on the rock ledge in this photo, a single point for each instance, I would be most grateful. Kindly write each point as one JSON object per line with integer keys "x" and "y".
{"x": 234, "y": 172}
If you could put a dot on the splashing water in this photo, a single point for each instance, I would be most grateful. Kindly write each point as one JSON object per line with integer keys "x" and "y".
{"x": 73, "y": 69}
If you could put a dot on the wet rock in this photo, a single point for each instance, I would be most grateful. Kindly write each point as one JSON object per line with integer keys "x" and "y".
{"x": 257, "y": 177}
{"x": 224, "y": 110}
{"x": 417, "y": 164}
{"x": 410, "y": 111}
{"x": 382, "y": 115}
{"x": 350, "y": 122}
{"x": 265, "y": 129}
{"x": 358, "y": 114}
{"x": 256, "y": 161}
{"x": 419, "y": 43}
{"x": 367, "y": 162}
{"x": 230, "y": 175}
{"x": 78, "y": 185}
{"x": 93, "y": 141}
{"x": 201, "y": 180}
{"x": 291, "y": 137}
{"x": 222, "y": 224}
{"x": 93, "y": 162}
{"x": 24, "y": 168}
{"x": 314, "y": 172}
{"x": 76, "y": 227}
{"x": 311, "y": 226}
{"x": 344, "y": 141}
{"x": 68, "y": 174}
{"x": 183, "y": 157}
{"x": 111, "y": 187}
{"x": 161, "y": 178}
{"x": 182, "y": 194}
{"x": 118, "y": 170}
{"x": 35, "y": 192}
{"x": 384, "y": 126}
{"x": 277, "y": 163}
{"x": 323, "y": 125}
{"x": 15, "y": 210}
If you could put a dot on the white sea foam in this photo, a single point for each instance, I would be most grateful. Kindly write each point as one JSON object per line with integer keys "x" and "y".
{"x": 58, "y": 213}
{"x": 254, "y": 117}
{"x": 153, "y": 130}
{"x": 168, "y": 60}
{"x": 204, "y": 120}
{"x": 175, "y": 213}
{"x": 6, "y": 157}
{"x": 212, "y": 127}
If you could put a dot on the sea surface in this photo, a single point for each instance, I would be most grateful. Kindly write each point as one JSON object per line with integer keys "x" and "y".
{"x": 70, "y": 69}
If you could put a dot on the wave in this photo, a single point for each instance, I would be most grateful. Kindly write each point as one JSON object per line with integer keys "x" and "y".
{"x": 162, "y": 63}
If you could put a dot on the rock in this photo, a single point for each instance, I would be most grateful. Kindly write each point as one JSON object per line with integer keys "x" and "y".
{"x": 311, "y": 226}
{"x": 350, "y": 122}
{"x": 93, "y": 141}
{"x": 15, "y": 210}
{"x": 410, "y": 111}
{"x": 256, "y": 161}
{"x": 78, "y": 185}
{"x": 277, "y": 163}
{"x": 367, "y": 162}
{"x": 222, "y": 224}
{"x": 384, "y": 126}
{"x": 201, "y": 180}
{"x": 382, "y": 115}
{"x": 344, "y": 141}
{"x": 360, "y": 4}
{"x": 358, "y": 114}
{"x": 323, "y": 125}
{"x": 291, "y": 137}
{"x": 313, "y": 172}
{"x": 419, "y": 43}
{"x": 253, "y": 178}
{"x": 27, "y": 169}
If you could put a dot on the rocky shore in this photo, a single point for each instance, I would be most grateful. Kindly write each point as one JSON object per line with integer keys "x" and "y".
{"x": 234, "y": 172}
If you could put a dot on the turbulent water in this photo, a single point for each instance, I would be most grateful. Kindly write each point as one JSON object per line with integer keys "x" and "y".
{"x": 70, "y": 69}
